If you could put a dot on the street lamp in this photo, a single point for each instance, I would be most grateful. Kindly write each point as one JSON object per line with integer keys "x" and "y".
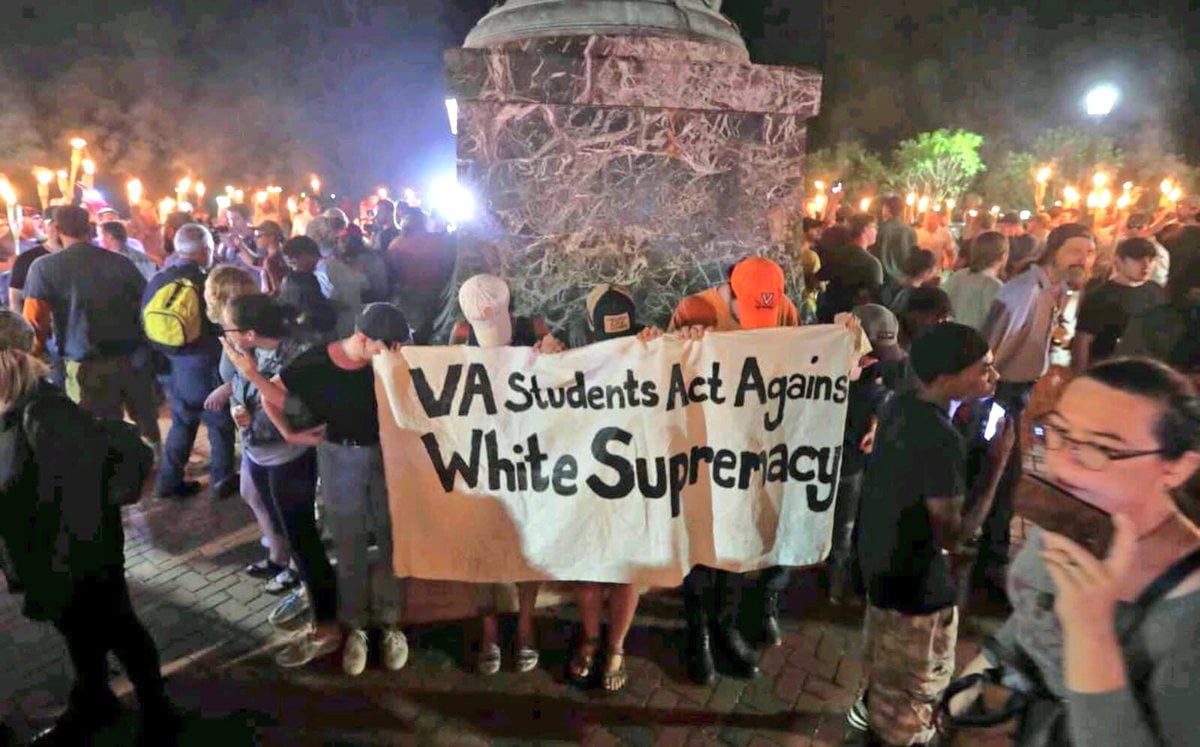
{"x": 1101, "y": 100}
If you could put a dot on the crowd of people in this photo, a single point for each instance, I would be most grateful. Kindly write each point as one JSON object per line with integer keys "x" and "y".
{"x": 268, "y": 341}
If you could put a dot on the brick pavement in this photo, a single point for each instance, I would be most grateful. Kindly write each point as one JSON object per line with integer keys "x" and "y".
{"x": 208, "y": 619}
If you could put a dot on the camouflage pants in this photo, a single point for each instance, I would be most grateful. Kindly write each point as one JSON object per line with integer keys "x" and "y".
{"x": 909, "y": 661}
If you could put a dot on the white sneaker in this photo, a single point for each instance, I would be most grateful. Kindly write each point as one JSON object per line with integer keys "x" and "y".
{"x": 394, "y": 648}
{"x": 354, "y": 653}
{"x": 306, "y": 649}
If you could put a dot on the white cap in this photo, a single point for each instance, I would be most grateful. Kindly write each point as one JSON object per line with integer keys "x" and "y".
{"x": 484, "y": 302}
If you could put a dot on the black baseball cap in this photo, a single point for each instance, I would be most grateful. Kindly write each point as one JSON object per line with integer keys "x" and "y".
{"x": 611, "y": 313}
{"x": 946, "y": 349}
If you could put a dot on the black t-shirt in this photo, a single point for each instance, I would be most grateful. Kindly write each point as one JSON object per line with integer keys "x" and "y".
{"x": 1107, "y": 308}
{"x": 866, "y": 396}
{"x": 918, "y": 456}
{"x": 96, "y": 298}
{"x": 20, "y": 268}
{"x": 342, "y": 399}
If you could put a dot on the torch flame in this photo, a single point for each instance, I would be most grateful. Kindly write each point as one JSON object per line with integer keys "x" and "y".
{"x": 78, "y": 143}
{"x": 201, "y": 190}
{"x": 166, "y": 206}
{"x": 1043, "y": 175}
{"x": 864, "y": 204}
{"x": 134, "y": 189}
{"x": 89, "y": 166}
{"x": 1099, "y": 180}
{"x": 7, "y": 193}
{"x": 43, "y": 176}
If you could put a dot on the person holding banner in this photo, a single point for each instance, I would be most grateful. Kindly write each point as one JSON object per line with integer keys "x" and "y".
{"x": 486, "y": 303}
{"x": 611, "y": 314}
{"x": 910, "y": 523}
{"x": 332, "y": 387}
{"x": 753, "y": 298}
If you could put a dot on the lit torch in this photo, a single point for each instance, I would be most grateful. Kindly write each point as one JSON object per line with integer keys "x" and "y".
{"x": 44, "y": 177}
{"x": 9, "y": 195}
{"x": 181, "y": 189}
{"x": 77, "y": 146}
{"x": 89, "y": 173}
{"x": 133, "y": 188}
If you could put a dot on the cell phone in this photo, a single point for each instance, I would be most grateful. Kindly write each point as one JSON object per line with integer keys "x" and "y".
{"x": 1054, "y": 509}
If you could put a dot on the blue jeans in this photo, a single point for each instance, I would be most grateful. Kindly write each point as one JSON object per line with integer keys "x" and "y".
{"x": 191, "y": 380}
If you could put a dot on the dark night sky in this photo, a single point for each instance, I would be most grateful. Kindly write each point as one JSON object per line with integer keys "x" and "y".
{"x": 352, "y": 88}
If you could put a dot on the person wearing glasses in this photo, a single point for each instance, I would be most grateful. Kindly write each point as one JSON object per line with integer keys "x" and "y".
{"x": 1124, "y": 437}
{"x": 194, "y": 375}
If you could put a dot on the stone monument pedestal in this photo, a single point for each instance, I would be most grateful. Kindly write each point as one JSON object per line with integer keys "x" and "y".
{"x": 647, "y": 161}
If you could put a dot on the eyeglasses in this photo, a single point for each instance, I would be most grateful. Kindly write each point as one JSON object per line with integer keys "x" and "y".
{"x": 1089, "y": 455}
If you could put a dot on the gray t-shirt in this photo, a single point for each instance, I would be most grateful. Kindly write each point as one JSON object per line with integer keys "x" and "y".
{"x": 1162, "y": 658}
{"x": 261, "y": 442}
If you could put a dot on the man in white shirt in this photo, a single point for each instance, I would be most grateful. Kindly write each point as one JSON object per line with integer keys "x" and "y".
{"x": 106, "y": 215}
{"x": 300, "y": 221}
{"x": 1018, "y": 329}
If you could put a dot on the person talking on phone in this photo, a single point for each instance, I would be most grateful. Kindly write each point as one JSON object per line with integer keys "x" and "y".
{"x": 1111, "y": 645}
{"x": 911, "y": 521}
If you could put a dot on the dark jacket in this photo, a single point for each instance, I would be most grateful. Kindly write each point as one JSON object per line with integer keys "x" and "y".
{"x": 208, "y": 344}
{"x": 57, "y": 528}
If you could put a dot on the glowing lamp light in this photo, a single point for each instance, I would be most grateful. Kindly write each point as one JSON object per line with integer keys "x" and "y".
{"x": 452, "y": 114}
{"x": 133, "y": 188}
{"x": 382, "y": 193}
{"x": 451, "y": 199}
{"x": 1043, "y": 175}
{"x": 1101, "y": 100}
{"x": 166, "y": 206}
{"x": 1026, "y": 215}
{"x": 223, "y": 202}
{"x": 1099, "y": 180}
{"x": 78, "y": 143}
{"x": 864, "y": 204}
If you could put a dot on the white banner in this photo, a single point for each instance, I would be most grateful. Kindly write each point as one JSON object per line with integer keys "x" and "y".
{"x": 621, "y": 461}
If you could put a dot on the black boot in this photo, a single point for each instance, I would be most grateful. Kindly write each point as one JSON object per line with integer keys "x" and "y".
{"x": 698, "y": 656}
{"x": 770, "y": 620}
{"x": 743, "y": 660}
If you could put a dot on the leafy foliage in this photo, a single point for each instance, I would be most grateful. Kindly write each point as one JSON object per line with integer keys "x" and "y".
{"x": 941, "y": 163}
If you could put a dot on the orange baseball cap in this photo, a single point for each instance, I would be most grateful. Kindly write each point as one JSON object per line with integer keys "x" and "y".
{"x": 757, "y": 285}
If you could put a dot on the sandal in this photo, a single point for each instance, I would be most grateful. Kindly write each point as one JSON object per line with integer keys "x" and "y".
{"x": 489, "y": 659}
{"x": 615, "y": 674}
{"x": 284, "y": 581}
{"x": 263, "y": 569}
{"x": 527, "y": 659}
{"x": 581, "y": 667}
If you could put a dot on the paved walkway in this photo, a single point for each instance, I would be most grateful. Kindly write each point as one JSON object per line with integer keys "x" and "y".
{"x": 208, "y": 619}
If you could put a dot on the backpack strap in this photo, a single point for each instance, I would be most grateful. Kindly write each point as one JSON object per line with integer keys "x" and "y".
{"x": 1162, "y": 586}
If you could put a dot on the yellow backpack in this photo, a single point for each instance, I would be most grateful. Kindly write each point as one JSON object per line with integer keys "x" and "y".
{"x": 173, "y": 317}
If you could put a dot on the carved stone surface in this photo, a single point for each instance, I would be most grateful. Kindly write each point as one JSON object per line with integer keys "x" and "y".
{"x": 648, "y": 162}
{"x": 526, "y": 19}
